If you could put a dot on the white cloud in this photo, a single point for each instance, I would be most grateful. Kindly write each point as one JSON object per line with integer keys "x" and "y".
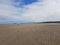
{"x": 39, "y": 11}
{"x": 47, "y": 10}
{"x": 7, "y": 10}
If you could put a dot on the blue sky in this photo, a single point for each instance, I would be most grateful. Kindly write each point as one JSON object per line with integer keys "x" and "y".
{"x": 24, "y": 11}
{"x": 24, "y": 2}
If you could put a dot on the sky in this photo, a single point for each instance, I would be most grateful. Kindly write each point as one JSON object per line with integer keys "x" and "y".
{"x": 24, "y": 11}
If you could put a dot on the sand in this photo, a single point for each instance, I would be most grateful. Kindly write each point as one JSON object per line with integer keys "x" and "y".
{"x": 29, "y": 34}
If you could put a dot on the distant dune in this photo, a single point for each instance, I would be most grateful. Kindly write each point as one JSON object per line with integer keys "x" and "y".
{"x": 30, "y": 34}
{"x": 52, "y": 22}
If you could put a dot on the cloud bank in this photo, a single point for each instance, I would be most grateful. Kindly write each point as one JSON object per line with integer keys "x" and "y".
{"x": 45, "y": 10}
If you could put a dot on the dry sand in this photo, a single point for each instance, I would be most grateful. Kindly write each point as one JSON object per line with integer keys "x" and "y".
{"x": 29, "y": 34}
